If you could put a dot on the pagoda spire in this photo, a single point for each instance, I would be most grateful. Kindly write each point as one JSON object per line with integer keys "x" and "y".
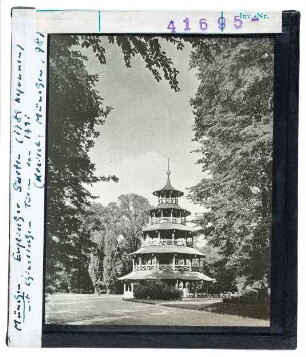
{"x": 168, "y": 172}
{"x": 168, "y": 186}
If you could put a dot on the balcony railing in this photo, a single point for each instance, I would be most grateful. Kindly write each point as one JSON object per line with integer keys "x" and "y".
{"x": 168, "y": 200}
{"x": 155, "y": 241}
{"x": 161, "y": 220}
{"x": 166, "y": 267}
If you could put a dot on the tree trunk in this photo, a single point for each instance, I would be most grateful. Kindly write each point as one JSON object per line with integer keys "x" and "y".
{"x": 96, "y": 289}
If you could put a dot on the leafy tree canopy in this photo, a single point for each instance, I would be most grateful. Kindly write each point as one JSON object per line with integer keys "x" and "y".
{"x": 233, "y": 125}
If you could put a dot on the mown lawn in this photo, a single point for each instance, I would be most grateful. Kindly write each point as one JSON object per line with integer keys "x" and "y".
{"x": 256, "y": 311}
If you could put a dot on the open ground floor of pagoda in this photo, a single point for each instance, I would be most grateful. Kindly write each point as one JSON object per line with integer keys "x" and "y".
{"x": 89, "y": 309}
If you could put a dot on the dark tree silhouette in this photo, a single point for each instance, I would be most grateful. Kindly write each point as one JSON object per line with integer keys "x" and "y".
{"x": 233, "y": 126}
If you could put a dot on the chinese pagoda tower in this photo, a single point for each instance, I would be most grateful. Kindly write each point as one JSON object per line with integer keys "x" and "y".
{"x": 166, "y": 251}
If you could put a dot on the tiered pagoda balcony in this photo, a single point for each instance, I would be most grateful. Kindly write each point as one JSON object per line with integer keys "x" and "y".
{"x": 166, "y": 267}
{"x": 160, "y": 241}
{"x": 175, "y": 220}
{"x": 173, "y": 200}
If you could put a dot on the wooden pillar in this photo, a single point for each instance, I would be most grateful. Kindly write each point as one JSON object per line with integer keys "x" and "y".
{"x": 173, "y": 262}
{"x": 133, "y": 264}
{"x": 173, "y": 237}
{"x": 207, "y": 288}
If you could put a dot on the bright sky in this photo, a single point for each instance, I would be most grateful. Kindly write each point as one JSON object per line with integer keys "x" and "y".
{"x": 149, "y": 123}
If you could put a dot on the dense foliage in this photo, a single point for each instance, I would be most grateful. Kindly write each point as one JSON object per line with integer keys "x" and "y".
{"x": 233, "y": 111}
{"x": 116, "y": 235}
{"x": 156, "y": 290}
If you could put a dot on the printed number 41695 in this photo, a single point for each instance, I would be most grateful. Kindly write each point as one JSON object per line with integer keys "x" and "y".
{"x": 203, "y": 25}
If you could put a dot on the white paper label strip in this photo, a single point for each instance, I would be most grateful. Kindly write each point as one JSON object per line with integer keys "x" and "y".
{"x": 165, "y": 22}
{"x": 28, "y": 124}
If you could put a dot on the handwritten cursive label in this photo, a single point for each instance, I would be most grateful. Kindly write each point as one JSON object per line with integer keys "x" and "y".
{"x": 28, "y": 93}
{"x": 22, "y": 307}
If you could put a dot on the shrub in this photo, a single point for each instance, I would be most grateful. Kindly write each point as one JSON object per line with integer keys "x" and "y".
{"x": 245, "y": 300}
{"x": 156, "y": 290}
{"x": 249, "y": 298}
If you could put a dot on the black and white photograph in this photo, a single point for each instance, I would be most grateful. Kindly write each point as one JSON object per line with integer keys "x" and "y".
{"x": 159, "y": 180}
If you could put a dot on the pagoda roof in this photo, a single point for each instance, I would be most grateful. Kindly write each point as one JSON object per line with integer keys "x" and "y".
{"x": 169, "y": 206}
{"x": 166, "y": 226}
{"x": 168, "y": 187}
{"x": 166, "y": 275}
{"x": 166, "y": 249}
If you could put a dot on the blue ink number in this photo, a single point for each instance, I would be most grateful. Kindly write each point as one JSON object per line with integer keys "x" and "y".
{"x": 171, "y": 26}
{"x": 203, "y": 24}
{"x": 237, "y": 22}
{"x": 221, "y": 23}
{"x": 186, "y": 21}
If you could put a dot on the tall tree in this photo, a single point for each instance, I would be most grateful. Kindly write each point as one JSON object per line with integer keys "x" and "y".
{"x": 112, "y": 262}
{"x": 123, "y": 222}
{"x": 93, "y": 223}
{"x": 115, "y": 231}
{"x": 95, "y": 267}
{"x": 133, "y": 211}
{"x": 233, "y": 125}
{"x": 75, "y": 108}
{"x": 134, "y": 214}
